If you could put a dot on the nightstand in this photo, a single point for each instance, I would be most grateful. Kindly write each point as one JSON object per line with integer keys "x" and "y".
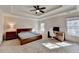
{"x": 10, "y": 35}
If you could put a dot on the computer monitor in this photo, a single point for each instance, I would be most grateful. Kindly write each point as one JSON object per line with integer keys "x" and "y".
{"x": 56, "y": 29}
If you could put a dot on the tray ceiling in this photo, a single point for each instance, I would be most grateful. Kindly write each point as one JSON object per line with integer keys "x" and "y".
{"x": 25, "y": 10}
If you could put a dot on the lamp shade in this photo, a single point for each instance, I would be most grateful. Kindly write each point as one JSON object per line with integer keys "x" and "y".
{"x": 11, "y": 24}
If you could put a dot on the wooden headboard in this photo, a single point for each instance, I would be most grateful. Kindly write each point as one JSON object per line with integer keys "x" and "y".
{"x": 24, "y": 30}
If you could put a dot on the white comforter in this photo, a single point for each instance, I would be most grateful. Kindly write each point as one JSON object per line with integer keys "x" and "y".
{"x": 25, "y": 35}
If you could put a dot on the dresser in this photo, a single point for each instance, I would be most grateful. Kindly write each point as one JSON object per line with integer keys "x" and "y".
{"x": 10, "y": 34}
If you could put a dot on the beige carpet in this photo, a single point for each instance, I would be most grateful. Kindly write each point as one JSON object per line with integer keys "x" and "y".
{"x": 13, "y": 46}
{"x": 14, "y": 42}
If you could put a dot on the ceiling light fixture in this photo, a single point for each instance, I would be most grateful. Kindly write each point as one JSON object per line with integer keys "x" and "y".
{"x": 37, "y": 11}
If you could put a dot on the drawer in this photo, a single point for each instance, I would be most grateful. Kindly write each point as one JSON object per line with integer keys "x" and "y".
{"x": 10, "y": 37}
{"x": 10, "y": 33}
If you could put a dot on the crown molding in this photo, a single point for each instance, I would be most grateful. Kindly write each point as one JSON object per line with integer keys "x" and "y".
{"x": 57, "y": 11}
{"x": 53, "y": 13}
{"x": 16, "y": 16}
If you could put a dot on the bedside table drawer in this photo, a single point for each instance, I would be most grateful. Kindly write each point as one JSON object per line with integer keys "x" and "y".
{"x": 10, "y": 37}
{"x": 9, "y": 33}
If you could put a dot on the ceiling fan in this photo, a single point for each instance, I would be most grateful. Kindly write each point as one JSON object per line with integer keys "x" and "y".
{"x": 38, "y": 9}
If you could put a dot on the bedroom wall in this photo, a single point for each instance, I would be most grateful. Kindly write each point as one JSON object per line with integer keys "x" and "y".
{"x": 19, "y": 22}
{"x": 60, "y": 21}
{"x": 1, "y": 26}
{"x": 52, "y": 22}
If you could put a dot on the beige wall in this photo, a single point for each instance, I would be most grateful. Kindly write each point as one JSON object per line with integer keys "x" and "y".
{"x": 19, "y": 22}
{"x": 60, "y": 21}
{"x": 52, "y": 22}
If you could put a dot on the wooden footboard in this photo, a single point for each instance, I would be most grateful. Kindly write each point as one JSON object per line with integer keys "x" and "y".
{"x": 28, "y": 40}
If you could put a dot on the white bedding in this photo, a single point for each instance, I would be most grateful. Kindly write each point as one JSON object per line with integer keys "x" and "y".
{"x": 25, "y": 35}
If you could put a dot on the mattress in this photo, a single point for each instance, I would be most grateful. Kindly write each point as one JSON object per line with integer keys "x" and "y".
{"x": 25, "y": 35}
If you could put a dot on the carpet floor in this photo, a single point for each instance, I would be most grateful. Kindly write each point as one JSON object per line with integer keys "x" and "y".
{"x": 13, "y": 46}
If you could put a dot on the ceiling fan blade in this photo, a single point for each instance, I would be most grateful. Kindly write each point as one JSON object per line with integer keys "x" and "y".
{"x": 41, "y": 11}
{"x": 34, "y": 6}
{"x": 37, "y": 6}
{"x": 36, "y": 12}
{"x": 43, "y": 8}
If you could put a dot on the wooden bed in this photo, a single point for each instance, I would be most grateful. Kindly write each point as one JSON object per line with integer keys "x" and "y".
{"x": 28, "y": 40}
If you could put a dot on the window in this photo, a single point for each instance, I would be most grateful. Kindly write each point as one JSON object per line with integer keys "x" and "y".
{"x": 73, "y": 26}
{"x": 42, "y": 29}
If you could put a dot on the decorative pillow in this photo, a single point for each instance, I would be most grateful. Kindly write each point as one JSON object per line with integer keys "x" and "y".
{"x": 34, "y": 33}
